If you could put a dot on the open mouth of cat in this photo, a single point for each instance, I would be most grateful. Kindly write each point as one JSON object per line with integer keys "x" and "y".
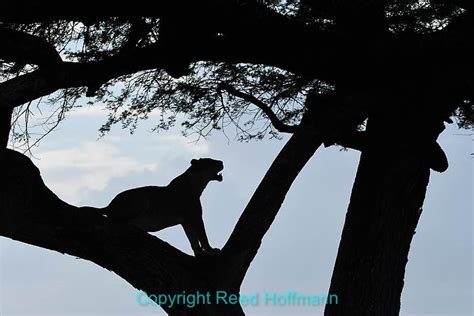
{"x": 219, "y": 177}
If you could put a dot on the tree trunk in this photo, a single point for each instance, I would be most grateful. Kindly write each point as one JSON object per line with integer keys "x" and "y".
{"x": 384, "y": 209}
{"x": 5, "y": 125}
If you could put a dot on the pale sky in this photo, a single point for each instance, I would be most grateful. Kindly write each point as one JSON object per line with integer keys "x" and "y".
{"x": 297, "y": 253}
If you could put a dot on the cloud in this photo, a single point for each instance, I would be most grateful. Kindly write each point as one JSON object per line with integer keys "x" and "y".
{"x": 99, "y": 110}
{"x": 72, "y": 172}
{"x": 96, "y": 110}
{"x": 188, "y": 145}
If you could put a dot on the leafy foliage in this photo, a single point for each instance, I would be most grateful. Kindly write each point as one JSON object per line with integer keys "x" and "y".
{"x": 197, "y": 100}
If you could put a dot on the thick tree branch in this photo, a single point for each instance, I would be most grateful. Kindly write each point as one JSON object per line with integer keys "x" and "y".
{"x": 31, "y": 213}
{"x": 26, "y": 49}
{"x": 354, "y": 140}
{"x": 265, "y": 203}
{"x": 47, "y": 80}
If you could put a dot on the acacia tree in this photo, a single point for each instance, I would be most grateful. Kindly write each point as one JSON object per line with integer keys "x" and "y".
{"x": 377, "y": 76}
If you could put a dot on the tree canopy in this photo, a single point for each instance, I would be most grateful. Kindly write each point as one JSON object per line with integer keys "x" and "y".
{"x": 242, "y": 63}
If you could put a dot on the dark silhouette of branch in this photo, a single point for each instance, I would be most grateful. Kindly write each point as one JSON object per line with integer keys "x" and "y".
{"x": 276, "y": 122}
{"x": 26, "y": 49}
{"x": 47, "y": 80}
{"x": 31, "y": 213}
{"x": 353, "y": 139}
{"x": 265, "y": 203}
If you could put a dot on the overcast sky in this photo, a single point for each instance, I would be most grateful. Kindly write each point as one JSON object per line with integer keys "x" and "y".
{"x": 297, "y": 253}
